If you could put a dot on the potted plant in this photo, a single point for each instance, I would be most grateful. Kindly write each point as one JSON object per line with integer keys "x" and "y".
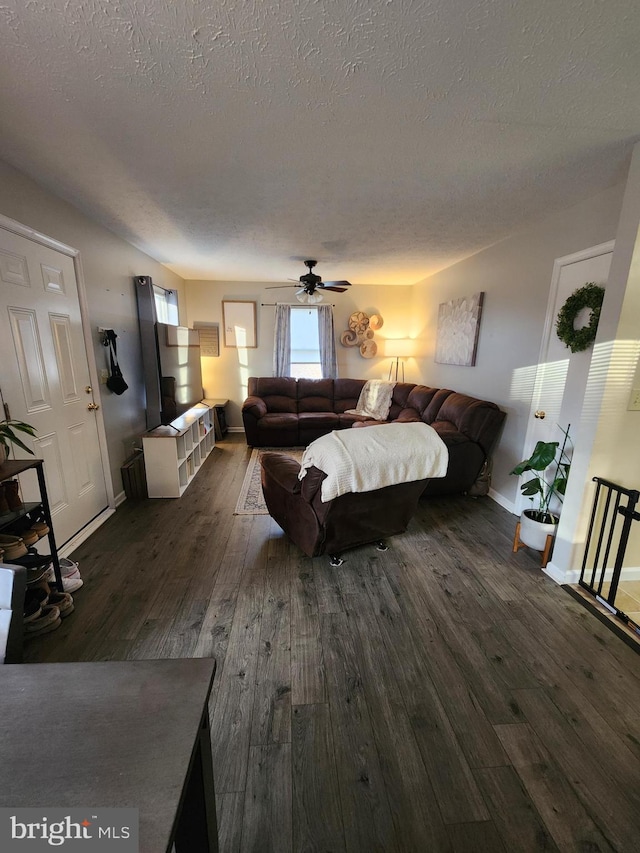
{"x": 549, "y": 464}
{"x": 8, "y": 430}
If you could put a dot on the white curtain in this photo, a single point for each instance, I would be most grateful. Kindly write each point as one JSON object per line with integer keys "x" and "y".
{"x": 282, "y": 341}
{"x": 328, "y": 359}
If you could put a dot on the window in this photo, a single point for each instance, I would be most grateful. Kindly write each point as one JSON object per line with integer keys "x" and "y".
{"x": 305, "y": 344}
{"x": 166, "y": 302}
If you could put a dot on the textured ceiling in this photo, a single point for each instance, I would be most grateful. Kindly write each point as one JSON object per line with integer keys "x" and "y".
{"x": 387, "y": 138}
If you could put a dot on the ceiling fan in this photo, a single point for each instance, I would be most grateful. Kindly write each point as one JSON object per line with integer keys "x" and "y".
{"x": 312, "y": 283}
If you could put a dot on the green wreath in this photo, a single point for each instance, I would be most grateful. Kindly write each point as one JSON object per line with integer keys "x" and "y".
{"x": 589, "y": 296}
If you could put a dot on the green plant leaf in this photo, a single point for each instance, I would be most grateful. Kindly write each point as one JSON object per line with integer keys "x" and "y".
{"x": 8, "y": 435}
{"x": 543, "y": 455}
{"x": 531, "y": 487}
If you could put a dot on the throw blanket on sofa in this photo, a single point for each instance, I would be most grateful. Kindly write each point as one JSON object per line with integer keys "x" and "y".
{"x": 362, "y": 460}
{"x": 374, "y": 400}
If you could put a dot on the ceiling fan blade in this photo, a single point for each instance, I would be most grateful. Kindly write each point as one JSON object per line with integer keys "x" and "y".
{"x": 278, "y": 286}
{"x": 335, "y": 289}
{"x": 337, "y": 284}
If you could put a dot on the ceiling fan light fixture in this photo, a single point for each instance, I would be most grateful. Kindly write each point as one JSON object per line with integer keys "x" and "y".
{"x": 309, "y": 298}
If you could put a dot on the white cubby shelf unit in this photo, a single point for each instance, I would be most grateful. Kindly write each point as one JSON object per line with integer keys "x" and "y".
{"x": 174, "y": 454}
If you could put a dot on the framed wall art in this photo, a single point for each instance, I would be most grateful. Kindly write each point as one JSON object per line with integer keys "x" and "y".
{"x": 239, "y": 321}
{"x": 209, "y": 338}
{"x": 458, "y": 330}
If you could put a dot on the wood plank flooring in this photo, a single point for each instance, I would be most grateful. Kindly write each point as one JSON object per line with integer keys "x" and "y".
{"x": 443, "y": 695}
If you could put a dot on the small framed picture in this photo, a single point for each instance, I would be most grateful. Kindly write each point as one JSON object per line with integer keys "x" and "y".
{"x": 209, "y": 338}
{"x": 239, "y": 321}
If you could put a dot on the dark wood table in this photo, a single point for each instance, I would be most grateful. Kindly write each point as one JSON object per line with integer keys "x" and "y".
{"x": 113, "y": 734}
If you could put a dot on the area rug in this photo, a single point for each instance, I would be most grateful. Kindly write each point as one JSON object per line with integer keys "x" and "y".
{"x": 251, "y": 500}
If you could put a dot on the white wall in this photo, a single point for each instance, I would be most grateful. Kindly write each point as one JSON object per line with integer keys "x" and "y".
{"x": 610, "y": 450}
{"x": 109, "y": 264}
{"x": 515, "y": 275}
{"x": 227, "y": 375}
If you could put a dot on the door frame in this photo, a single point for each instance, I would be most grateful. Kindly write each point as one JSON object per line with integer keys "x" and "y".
{"x": 549, "y": 325}
{"x": 15, "y": 227}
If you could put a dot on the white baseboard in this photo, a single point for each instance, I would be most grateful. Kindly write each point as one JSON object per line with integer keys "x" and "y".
{"x": 85, "y": 533}
{"x": 235, "y": 429}
{"x": 572, "y": 576}
{"x": 120, "y": 498}
{"x": 558, "y": 575}
{"x": 503, "y": 502}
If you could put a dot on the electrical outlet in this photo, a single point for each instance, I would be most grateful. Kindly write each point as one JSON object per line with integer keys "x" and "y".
{"x": 104, "y": 375}
{"x": 634, "y": 401}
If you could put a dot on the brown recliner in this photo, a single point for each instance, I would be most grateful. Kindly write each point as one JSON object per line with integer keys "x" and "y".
{"x": 344, "y": 522}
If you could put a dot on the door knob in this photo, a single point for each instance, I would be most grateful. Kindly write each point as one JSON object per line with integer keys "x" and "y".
{"x": 541, "y": 415}
{"x": 93, "y": 407}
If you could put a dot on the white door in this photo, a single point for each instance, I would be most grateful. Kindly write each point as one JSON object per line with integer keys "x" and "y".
{"x": 45, "y": 379}
{"x": 561, "y": 376}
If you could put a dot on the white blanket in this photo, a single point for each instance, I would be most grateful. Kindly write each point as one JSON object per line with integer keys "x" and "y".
{"x": 374, "y": 400}
{"x": 362, "y": 460}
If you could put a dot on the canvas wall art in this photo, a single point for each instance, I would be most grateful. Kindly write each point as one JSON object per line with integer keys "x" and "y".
{"x": 458, "y": 330}
{"x": 239, "y": 321}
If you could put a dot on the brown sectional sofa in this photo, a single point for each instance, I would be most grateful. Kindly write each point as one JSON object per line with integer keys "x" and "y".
{"x": 285, "y": 412}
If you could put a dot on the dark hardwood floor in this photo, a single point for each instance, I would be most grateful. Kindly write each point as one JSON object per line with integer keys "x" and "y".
{"x": 441, "y": 696}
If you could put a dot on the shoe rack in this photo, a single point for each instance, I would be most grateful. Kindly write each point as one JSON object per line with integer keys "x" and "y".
{"x": 10, "y": 469}
{"x": 173, "y": 454}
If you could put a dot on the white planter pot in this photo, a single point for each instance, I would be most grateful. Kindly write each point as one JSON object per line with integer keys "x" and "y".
{"x": 534, "y": 533}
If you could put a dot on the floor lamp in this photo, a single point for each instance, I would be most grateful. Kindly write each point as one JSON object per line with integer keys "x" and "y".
{"x": 401, "y": 349}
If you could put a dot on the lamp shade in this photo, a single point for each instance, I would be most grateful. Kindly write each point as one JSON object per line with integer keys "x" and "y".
{"x": 400, "y": 347}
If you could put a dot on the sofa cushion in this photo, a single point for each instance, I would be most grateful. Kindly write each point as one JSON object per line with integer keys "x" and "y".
{"x": 312, "y": 420}
{"x": 315, "y": 395}
{"x": 346, "y": 421}
{"x": 346, "y": 393}
{"x": 278, "y": 429}
{"x": 477, "y": 419}
{"x": 419, "y": 399}
{"x": 280, "y": 393}
{"x": 399, "y": 399}
{"x": 449, "y": 433}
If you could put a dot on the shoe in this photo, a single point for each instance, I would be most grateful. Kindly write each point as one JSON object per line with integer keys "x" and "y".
{"x": 48, "y": 620}
{"x": 32, "y": 611}
{"x": 63, "y": 601}
{"x": 29, "y": 537}
{"x": 68, "y": 568}
{"x": 4, "y": 506}
{"x": 13, "y": 546}
{"x": 41, "y": 528}
{"x": 39, "y": 594}
{"x": 70, "y": 583}
{"x": 25, "y": 528}
{"x": 36, "y": 575}
{"x": 12, "y": 494}
{"x": 31, "y": 559}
